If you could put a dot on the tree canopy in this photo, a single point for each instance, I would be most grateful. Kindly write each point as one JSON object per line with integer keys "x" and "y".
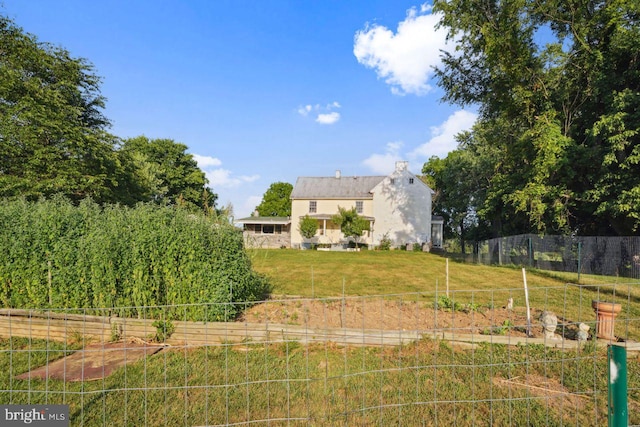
{"x": 559, "y": 126}
{"x": 54, "y": 139}
{"x": 276, "y": 201}
{"x": 53, "y": 135}
{"x": 167, "y": 173}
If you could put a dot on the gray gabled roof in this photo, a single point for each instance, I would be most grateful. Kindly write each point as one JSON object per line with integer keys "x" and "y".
{"x": 345, "y": 187}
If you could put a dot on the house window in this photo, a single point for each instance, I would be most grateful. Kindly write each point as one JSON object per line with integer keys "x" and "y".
{"x": 410, "y": 180}
{"x": 267, "y": 229}
{"x": 359, "y": 206}
{"x": 257, "y": 228}
{"x": 392, "y": 181}
{"x": 313, "y": 206}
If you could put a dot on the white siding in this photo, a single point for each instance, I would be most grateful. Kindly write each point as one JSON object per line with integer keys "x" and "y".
{"x": 402, "y": 209}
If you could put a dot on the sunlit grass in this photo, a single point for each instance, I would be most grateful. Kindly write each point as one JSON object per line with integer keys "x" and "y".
{"x": 366, "y": 273}
{"x": 292, "y": 384}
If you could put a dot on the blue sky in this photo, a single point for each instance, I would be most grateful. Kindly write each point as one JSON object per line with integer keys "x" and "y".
{"x": 264, "y": 91}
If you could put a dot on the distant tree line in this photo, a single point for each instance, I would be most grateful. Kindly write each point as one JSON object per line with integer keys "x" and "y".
{"x": 54, "y": 138}
{"x": 556, "y": 148}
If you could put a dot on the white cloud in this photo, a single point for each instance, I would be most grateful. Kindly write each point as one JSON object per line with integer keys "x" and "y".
{"x": 223, "y": 178}
{"x": 220, "y": 177}
{"x": 328, "y": 118}
{"x": 206, "y": 161}
{"x": 324, "y": 115}
{"x": 443, "y": 137}
{"x": 304, "y": 110}
{"x": 385, "y": 163}
{"x": 405, "y": 59}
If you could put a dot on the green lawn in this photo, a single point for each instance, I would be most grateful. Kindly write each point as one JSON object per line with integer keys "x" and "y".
{"x": 295, "y": 272}
{"x": 290, "y": 384}
{"x": 425, "y": 383}
{"x": 419, "y": 275}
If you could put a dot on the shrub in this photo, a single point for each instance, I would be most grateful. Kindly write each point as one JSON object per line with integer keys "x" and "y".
{"x": 59, "y": 255}
{"x": 385, "y": 243}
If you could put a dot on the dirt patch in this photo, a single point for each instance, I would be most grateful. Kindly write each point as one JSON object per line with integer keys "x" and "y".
{"x": 393, "y": 315}
{"x": 95, "y": 361}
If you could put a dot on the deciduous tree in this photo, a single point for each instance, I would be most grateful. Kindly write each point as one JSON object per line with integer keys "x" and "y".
{"x": 53, "y": 135}
{"x": 276, "y": 201}
{"x": 167, "y": 173}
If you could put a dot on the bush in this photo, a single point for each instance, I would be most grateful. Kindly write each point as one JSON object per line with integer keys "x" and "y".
{"x": 385, "y": 243}
{"x": 57, "y": 255}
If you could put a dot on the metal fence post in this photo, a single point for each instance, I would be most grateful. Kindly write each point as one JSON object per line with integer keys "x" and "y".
{"x": 618, "y": 410}
{"x": 579, "y": 259}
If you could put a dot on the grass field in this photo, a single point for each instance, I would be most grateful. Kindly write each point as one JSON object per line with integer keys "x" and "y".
{"x": 423, "y": 276}
{"x": 286, "y": 383}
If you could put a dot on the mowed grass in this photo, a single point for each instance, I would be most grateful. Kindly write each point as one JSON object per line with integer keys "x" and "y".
{"x": 286, "y": 383}
{"x": 301, "y": 273}
{"x": 423, "y": 277}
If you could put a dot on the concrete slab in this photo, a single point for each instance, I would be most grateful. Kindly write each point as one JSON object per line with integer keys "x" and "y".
{"x": 94, "y": 362}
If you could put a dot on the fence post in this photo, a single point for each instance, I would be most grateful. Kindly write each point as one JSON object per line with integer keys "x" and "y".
{"x": 579, "y": 259}
{"x": 618, "y": 410}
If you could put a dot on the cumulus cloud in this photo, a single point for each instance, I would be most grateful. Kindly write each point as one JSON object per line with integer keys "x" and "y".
{"x": 443, "y": 137}
{"x": 405, "y": 59}
{"x": 205, "y": 162}
{"x": 328, "y": 118}
{"x": 385, "y": 163}
{"x": 324, "y": 114}
{"x": 220, "y": 177}
{"x": 223, "y": 178}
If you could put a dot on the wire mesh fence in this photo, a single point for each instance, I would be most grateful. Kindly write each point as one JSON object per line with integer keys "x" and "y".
{"x": 598, "y": 255}
{"x": 465, "y": 357}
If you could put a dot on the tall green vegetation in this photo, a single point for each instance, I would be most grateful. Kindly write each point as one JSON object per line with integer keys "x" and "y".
{"x": 58, "y": 255}
{"x": 557, "y": 143}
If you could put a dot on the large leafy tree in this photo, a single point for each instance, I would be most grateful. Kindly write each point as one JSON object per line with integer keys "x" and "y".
{"x": 563, "y": 116}
{"x": 457, "y": 180}
{"x": 276, "y": 201}
{"x": 53, "y": 135}
{"x": 167, "y": 174}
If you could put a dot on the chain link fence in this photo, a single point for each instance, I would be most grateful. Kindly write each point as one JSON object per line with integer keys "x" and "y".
{"x": 597, "y": 255}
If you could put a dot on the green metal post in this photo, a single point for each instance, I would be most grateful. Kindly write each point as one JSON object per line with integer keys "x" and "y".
{"x": 618, "y": 409}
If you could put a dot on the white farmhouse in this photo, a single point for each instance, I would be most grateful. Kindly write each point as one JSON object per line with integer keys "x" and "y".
{"x": 397, "y": 206}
